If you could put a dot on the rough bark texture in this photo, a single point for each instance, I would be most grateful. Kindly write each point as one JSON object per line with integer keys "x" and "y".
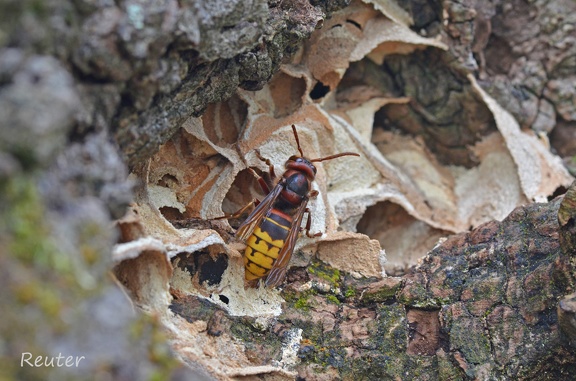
{"x": 91, "y": 89}
{"x": 524, "y": 52}
{"x": 467, "y": 312}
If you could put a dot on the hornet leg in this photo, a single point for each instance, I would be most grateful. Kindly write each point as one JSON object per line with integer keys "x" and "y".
{"x": 309, "y": 225}
{"x": 312, "y": 194}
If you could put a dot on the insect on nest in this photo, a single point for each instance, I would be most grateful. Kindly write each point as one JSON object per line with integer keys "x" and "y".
{"x": 272, "y": 229}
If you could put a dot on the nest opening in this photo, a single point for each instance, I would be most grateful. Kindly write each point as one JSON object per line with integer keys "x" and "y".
{"x": 405, "y": 238}
{"x": 558, "y": 192}
{"x": 287, "y": 94}
{"x": 224, "y": 299}
{"x": 171, "y": 214}
{"x": 204, "y": 268}
{"x": 319, "y": 91}
{"x": 143, "y": 276}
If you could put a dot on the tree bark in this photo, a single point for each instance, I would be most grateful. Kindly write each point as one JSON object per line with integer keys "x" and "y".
{"x": 481, "y": 305}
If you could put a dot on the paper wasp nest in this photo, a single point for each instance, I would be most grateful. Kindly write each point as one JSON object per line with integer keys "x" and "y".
{"x": 420, "y": 177}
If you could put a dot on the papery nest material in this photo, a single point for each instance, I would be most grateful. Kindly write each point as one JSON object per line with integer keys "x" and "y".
{"x": 202, "y": 172}
{"x": 359, "y": 31}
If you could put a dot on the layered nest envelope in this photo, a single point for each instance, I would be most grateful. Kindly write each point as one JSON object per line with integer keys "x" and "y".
{"x": 421, "y": 175}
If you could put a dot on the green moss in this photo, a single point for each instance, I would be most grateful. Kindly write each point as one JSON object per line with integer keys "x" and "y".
{"x": 299, "y": 300}
{"x": 389, "y": 333}
{"x": 381, "y": 295}
{"x": 350, "y": 292}
{"x": 268, "y": 345}
{"x": 246, "y": 330}
{"x": 419, "y": 300}
{"x": 24, "y": 223}
{"x": 447, "y": 370}
{"x": 29, "y": 237}
{"x": 38, "y": 294}
{"x": 302, "y": 303}
{"x": 333, "y": 299}
{"x": 375, "y": 365}
{"x": 384, "y": 357}
{"x": 323, "y": 350}
{"x": 325, "y": 272}
{"x": 46, "y": 278}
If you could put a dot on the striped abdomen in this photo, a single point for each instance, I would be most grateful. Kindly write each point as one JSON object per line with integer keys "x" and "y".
{"x": 265, "y": 243}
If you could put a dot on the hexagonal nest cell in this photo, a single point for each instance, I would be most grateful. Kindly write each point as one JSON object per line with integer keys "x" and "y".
{"x": 405, "y": 238}
{"x": 202, "y": 266}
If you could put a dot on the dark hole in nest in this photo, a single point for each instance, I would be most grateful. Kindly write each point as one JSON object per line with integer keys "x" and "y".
{"x": 319, "y": 91}
{"x": 224, "y": 299}
{"x": 171, "y": 214}
{"x": 558, "y": 192}
{"x": 206, "y": 267}
{"x": 353, "y": 22}
{"x": 211, "y": 271}
{"x": 192, "y": 308}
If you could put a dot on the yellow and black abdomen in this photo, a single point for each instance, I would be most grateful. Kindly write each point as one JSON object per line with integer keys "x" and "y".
{"x": 265, "y": 243}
